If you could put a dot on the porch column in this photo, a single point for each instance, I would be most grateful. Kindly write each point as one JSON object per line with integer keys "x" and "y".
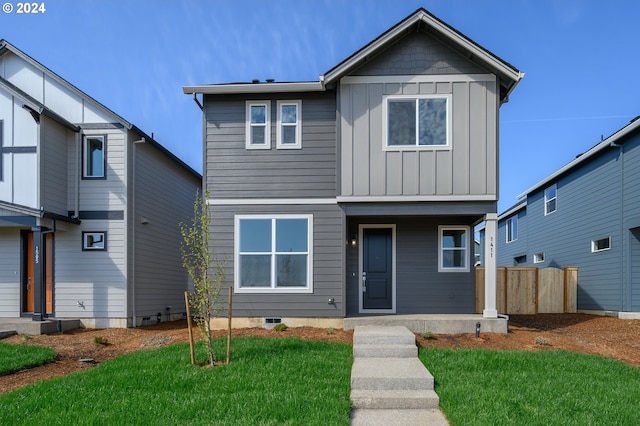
{"x": 38, "y": 273}
{"x": 490, "y": 267}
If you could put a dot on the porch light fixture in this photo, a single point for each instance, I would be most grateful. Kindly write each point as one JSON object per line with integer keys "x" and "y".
{"x": 354, "y": 240}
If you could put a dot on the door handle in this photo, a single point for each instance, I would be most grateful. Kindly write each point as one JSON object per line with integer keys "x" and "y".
{"x": 28, "y": 283}
{"x": 364, "y": 281}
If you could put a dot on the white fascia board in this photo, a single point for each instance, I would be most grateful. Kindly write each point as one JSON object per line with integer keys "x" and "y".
{"x": 520, "y": 206}
{"x": 240, "y": 88}
{"x": 584, "y": 157}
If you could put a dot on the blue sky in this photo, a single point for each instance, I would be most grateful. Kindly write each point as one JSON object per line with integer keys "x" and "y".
{"x": 580, "y": 60}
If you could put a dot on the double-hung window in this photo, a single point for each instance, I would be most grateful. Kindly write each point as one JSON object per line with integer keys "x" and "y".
{"x": 550, "y": 199}
{"x": 258, "y": 125}
{"x": 417, "y": 122}
{"x": 94, "y": 157}
{"x": 512, "y": 228}
{"x": 289, "y": 132}
{"x": 274, "y": 254}
{"x": 453, "y": 253}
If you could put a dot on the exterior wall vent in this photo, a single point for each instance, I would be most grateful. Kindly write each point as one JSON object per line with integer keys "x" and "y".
{"x": 271, "y": 322}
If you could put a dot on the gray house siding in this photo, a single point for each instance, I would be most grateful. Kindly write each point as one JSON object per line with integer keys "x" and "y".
{"x": 367, "y": 170}
{"x": 10, "y": 272}
{"x": 232, "y": 171}
{"x": 328, "y": 254}
{"x": 599, "y": 199}
{"x": 163, "y": 197}
{"x": 53, "y": 178}
{"x": 420, "y": 287}
{"x": 508, "y": 251}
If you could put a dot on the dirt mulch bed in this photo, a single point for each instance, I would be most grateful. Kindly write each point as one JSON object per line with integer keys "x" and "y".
{"x": 605, "y": 336}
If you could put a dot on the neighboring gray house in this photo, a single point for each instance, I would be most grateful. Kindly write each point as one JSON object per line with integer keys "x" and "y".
{"x": 357, "y": 194}
{"x": 89, "y": 206}
{"x": 586, "y": 214}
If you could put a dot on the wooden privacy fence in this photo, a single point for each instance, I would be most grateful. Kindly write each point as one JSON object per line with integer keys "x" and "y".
{"x": 529, "y": 290}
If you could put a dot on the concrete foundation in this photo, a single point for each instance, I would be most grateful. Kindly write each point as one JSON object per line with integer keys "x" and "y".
{"x": 438, "y": 324}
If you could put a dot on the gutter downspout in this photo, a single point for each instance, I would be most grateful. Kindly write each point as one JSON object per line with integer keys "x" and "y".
{"x": 133, "y": 234}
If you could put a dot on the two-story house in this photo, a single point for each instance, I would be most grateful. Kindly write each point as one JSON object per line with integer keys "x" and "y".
{"x": 586, "y": 214}
{"x": 89, "y": 206}
{"x": 357, "y": 194}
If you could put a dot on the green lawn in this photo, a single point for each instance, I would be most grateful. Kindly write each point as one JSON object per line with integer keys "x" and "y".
{"x": 481, "y": 387}
{"x": 18, "y": 357}
{"x": 269, "y": 382}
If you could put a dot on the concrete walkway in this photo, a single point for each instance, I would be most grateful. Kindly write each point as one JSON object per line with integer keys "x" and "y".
{"x": 389, "y": 384}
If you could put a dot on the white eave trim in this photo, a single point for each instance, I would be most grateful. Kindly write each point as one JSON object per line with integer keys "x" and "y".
{"x": 584, "y": 157}
{"x": 239, "y": 88}
{"x": 512, "y": 210}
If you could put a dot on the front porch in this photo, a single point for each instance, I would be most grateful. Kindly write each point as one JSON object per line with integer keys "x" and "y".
{"x": 434, "y": 323}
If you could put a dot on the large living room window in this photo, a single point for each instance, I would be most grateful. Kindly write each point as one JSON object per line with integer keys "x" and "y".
{"x": 417, "y": 122}
{"x": 453, "y": 253}
{"x": 274, "y": 254}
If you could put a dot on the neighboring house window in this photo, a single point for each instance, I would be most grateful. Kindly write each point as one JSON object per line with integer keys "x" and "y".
{"x": 289, "y": 133}
{"x": 512, "y": 229}
{"x": 274, "y": 253}
{"x": 453, "y": 255}
{"x": 550, "y": 199}
{"x": 520, "y": 260}
{"x": 417, "y": 122}
{"x": 94, "y": 241}
{"x": 258, "y": 125}
{"x": 601, "y": 245}
{"x": 538, "y": 258}
{"x": 94, "y": 157}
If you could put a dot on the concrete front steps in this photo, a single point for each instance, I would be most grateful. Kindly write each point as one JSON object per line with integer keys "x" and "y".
{"x": 9, "y": 326}
{"x": 389, "y": 384}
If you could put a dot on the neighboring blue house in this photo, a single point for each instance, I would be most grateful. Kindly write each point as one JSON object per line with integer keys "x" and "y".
{"x": 357, "y": 194}
{"x": 586, "y": 214}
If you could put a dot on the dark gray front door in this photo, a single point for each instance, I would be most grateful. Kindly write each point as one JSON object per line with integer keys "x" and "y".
{"x": 377, "y": 273}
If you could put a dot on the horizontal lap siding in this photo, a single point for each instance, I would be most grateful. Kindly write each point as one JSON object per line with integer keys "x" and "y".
{"x": 164, "y": 195}
{"x": 588, "y": 208}
{"x": 507, "y": 252}
{"x": 327, "y": 263}
{"x": 54, "y": 162}
{"x": 631, "y": 221}
{"x": 9, "y": 272}
{"x": 232, "y": 171}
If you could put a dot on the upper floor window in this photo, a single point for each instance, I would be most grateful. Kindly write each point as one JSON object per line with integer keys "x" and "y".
{"x": 512, "y": 229}
{"x": 550, "y": 199}
{"x": 258, "y": 125}
{"x": 417, "y": 122}
{"x": 274, "y": 253}
{"x": 289, "y": 133}
{"x": 454, "y": 253}
{"x": 94, "y": 157}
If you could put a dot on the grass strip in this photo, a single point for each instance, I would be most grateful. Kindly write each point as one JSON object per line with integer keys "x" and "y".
{"x": 483, "y": 387}
{"x": 18, "y": 357}
{"x": 269, "y": 382}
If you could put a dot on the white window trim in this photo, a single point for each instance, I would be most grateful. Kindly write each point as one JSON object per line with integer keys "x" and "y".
{"x": 385, "y": 119}
{"x": 593, "y": 245}
{"x": 85, "y": 246}
{"x": 267, "y": 290}
{"x": 267, "y": 125}
{"x": 85, "y": 150}
{"x": 509, "y": 225}
{"x": 467, "y": 230}
{"x": 538, "y": 257}
{"x": 298, "y": 144}
{"x": 546, "y": 201}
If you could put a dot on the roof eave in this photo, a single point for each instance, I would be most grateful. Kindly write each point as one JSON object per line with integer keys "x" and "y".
{"x": 629, "y": 128}
{"x": 243, "y": 88}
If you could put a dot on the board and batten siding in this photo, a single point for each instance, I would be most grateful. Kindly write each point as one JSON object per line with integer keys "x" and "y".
{"x": 468, "y": 168}
{"x": 328, "y": 254}
{"x": 164, "y": 196}
{"x": 10, "y": 272}
{"x": 54, "y": 162}
{"x": 232, "y": 171}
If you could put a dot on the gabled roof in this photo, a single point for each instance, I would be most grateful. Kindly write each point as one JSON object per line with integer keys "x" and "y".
{"x": 520, "y": 205}
{"x": 420, "y": 20}
{"x": 41, "y": 109}
{"x": 614, "y": 140}
{"x": 423, "y": 21}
